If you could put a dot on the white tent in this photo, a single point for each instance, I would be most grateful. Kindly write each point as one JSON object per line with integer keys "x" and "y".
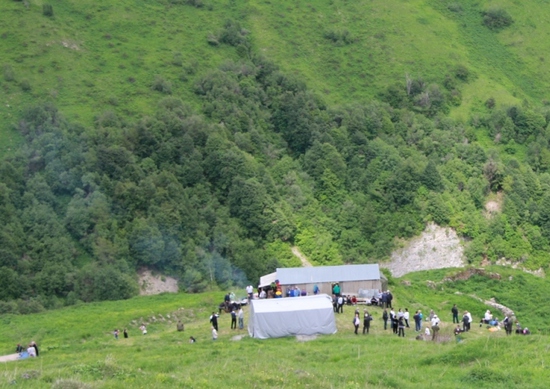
{"x": 275, "y": 318}
{"x": 267, "y": 279}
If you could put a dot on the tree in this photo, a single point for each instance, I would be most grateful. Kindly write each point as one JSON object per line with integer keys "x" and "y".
{"x": 431, "y": 178}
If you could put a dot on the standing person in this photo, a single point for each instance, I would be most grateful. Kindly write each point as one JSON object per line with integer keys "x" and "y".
{"x": 384, "y": 300}
{"x": 315, "y": 289}
{"x": 507, "y": 325}
{"x": 431, "y": 315}
{"x": 356, "y": 322}
{"x": 454, "y": 310}
{"x": 115, "y": 333}
{"x": 435, "y": 326}
{"x": 465, "y": 322}
{"x": 470, "y": 320}
{"x": 240, "y": 315}
{"x": 233, "y": 320}
{"x": 366, "y": 322}
{"x": 390, "y": 298}
{"x": 335, "y": 303}
{"x": 406, "y": 317}
{"x": 393, "y": 318}
{"x": 340, "y": 304}
{"x": 336, "y": 289}
{"x": 125, "y": 332}
{"x": 143, "y": 329}
{"x": 385, "y": 318}
{"x": 249, "y": 292}
{"x": 416, "y": 318}
{"x": 214, "y": 334}
{"x": 401, "y": 325}
{"x": 214, "y": 320}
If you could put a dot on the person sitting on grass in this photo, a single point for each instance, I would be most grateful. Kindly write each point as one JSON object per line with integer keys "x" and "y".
{"x": 19, "y": 348}
{"x": 458, "y": 330}
{"x": 486, "y": 319}
{"x": 192, "y": 340}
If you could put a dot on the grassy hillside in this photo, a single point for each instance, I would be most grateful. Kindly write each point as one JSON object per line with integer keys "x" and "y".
{"x": 92, "y": 56}
{"x": 77, "y": 344}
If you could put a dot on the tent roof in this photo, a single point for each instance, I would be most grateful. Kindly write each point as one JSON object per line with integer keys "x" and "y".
{"x": 267, "y": 279}
{"x": 307, "y": 275}
{"x": 306, "y": 303}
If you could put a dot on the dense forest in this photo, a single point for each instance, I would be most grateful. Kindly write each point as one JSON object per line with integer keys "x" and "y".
{"x": 217, "y": 195}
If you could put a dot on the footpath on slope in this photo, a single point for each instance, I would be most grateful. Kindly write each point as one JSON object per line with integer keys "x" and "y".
{"x": 297, "y": 253}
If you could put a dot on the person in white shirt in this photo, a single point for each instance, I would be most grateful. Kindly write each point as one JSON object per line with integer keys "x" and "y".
{"x": 249, "y": 292}
{"x": 214, "y": 334}
{"x": 32, "y": 352}
{"x": 435, "y": 326}
{"x": 240, "y": 316}
{"x": 406, "y": 317}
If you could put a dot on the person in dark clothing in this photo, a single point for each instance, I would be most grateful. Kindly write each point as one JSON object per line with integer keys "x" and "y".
{"x": 465, "y": 322}
{"x": 233, "y": 320}
{"x": 125, "y": 332}
{"x": 366, "y": 322}
{"x": 393, "y": 318}
{"x": 33, "y": 344}
{"x": 384, "y": 300}
{"x": 385, "y": 318}
{"x": 401, "y": 325}
{"x": 507, "y": 325}
{"x": 454, "y": 310}
{"x": 19, "y": 348}
{"x": 390, "y": 298}
{"x": 214, "y": 320}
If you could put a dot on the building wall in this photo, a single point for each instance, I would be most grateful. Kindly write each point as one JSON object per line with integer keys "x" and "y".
{"x": 348, "y": 287}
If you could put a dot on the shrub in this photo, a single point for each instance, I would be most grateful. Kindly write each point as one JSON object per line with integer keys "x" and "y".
{"x": 339, "y": 38}
{"x": 8, "y": 72}
{"x": 455, "y": 7}
{"x": 161, "y": 85}
{"x": 232, "y": 34}
{"x": 47, "y": 10}
{"x": 497, "y": 18}
{"x": 25, "y": 85}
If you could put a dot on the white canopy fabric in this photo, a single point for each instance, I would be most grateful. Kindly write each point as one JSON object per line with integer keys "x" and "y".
{"x": 275, "y": 318}
{"x": 267, "y": 279}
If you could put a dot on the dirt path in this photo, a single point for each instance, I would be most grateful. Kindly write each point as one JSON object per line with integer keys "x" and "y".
{"x": 297, "y": 253}
{"x": 8, "y": 358}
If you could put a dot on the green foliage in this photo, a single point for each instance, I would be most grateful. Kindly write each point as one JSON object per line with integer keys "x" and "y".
{"x": 47, "y": 10}
{"x": 497, "y": 18}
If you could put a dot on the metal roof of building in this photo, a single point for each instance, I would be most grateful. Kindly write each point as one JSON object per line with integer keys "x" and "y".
{"x": 307, "y": 275}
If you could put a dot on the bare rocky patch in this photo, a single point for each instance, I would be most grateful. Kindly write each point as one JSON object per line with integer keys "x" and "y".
{"x": 155, "y": 284}
{"x": 435, "y": 248}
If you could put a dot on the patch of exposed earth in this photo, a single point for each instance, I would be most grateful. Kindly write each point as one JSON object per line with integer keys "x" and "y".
{"x": 155, "y": 284}
{"x": 436, "y": 248}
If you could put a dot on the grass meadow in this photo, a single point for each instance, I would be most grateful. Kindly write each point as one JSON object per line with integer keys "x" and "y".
{"x": 78, "y": 349}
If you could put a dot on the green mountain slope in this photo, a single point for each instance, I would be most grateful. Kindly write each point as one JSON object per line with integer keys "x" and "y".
{"x": 205, "y": 139}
